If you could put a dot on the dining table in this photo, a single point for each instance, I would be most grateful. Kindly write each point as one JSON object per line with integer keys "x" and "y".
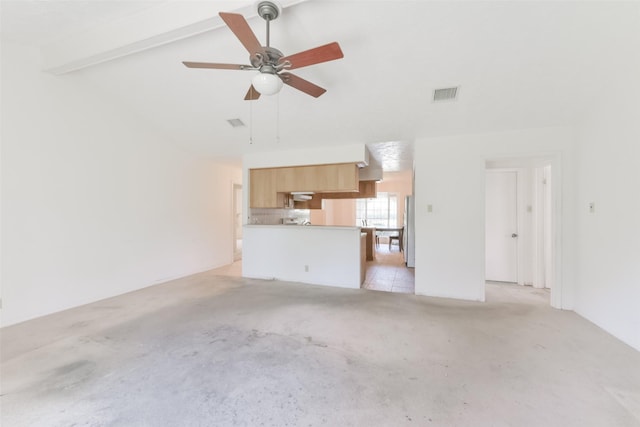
{"x": 386, "y": 230}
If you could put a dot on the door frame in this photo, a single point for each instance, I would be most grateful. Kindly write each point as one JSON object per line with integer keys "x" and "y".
{"x": 531, "y": 163}
{"x": 543, "y": 274}
{"x": 234, "y": 202}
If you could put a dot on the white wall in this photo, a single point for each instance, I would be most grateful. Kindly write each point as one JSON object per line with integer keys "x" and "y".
{"x": 400, "y": 184}
{"x": 332, "y": 254}
{"x": 95, "y": 204}
{"x": 608, "y": 240}
{"x": 449, "y": 176}
{"x": 337, "y": 212}
{"x": 352, "y": 153}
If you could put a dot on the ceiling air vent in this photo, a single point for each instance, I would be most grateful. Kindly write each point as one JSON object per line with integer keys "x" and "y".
{"x": 236, "y": 123}
{"x": 445, "y": 94}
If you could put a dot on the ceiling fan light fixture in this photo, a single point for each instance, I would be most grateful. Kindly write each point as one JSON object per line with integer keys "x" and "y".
{"x": 267, "y": 83}
{"x": 273, "y": 65}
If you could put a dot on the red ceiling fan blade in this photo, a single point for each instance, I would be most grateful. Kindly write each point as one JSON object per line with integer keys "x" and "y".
{"x": 325, "y": 53}
{"x": 302, "y": 84}
{"x": 252, "y": 94}
{"x": 217, "y": 66}
{"x": 243, "y": 32}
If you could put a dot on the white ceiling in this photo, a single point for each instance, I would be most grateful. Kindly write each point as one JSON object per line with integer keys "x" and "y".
{"x": 518, "y": 65}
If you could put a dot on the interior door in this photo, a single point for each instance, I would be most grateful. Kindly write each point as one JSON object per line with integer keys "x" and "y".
{"x": 501, "y": 238}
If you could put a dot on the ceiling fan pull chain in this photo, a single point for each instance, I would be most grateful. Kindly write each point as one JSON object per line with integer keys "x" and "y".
{"x": 278, "y": 118}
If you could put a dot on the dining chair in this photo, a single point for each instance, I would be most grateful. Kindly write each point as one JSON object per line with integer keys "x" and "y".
{"x": 378, "y": 235}
{"x": 394, "y": 238}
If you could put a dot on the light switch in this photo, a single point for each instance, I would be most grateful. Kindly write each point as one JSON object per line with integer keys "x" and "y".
{"x": 429, "y": 208}
{"x": 592, "y": 207}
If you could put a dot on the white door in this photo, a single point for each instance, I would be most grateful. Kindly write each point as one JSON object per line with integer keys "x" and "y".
{"x": 501, "y": 238}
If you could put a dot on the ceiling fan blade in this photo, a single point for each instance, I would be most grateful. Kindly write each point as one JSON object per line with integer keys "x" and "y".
{"x": 325, "y": 53}
{"x": 252, "y": 94}
{"x": 243, "y": 32}
{"x": 218, "y": 66}
{"x": 302, "y": 84}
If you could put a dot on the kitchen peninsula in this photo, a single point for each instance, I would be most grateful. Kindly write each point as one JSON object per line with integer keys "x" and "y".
{"x": 283, "y": 188}
{"x": 320, "y": 255}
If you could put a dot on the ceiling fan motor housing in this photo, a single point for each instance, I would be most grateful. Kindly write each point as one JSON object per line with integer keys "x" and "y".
{"x": 270, "y": 57}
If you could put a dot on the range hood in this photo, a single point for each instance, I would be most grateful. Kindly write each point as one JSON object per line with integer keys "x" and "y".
{"x": 302, "y": 196}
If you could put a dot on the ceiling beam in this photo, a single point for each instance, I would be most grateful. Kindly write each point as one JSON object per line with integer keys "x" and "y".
{"x": 162, "y": 24}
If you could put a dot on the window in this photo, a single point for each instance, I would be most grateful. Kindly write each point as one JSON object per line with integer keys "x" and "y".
{"x": 379, "y": 212}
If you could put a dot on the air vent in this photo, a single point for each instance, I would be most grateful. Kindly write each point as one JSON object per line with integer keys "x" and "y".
{"x": 445, "y": 94}
{"x": 236, "y": 123}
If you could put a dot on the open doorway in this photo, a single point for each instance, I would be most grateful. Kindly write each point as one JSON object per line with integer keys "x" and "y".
{"x": 237, "y": 222}
{"x": 388, "y": 271}
{"x": 521, "y": 245}
{"x": 392, "y": 265}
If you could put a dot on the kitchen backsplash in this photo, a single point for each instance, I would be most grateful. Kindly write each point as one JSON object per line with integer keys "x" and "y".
{"x": 278, "y": 216}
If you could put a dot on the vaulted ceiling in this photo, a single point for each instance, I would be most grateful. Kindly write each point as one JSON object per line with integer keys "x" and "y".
{"x": 517, "y": 64}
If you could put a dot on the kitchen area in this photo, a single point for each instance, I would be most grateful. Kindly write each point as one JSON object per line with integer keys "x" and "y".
{"x": 302, "y": 226}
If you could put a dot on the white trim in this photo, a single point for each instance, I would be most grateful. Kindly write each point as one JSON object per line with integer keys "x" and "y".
{"x": 535, "y": 162}
{"x": 538, "y": 221}
{"x": 234, "y": 227}
{"x": 557, "y": 287}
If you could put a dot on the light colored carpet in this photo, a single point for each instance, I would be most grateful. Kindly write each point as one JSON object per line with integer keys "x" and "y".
{"x": 210, "y": 350}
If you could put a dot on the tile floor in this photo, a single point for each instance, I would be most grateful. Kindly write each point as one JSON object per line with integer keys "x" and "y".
{"x": 387, "y": 272}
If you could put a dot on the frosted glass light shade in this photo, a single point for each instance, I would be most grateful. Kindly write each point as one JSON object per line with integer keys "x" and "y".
{"x": 266, "y": 83}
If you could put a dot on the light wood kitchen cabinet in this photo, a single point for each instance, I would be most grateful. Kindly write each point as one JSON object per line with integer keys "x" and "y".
{"x": 263, "y": 192}
{"x": 318, "y": 178}
{"x": 285, "y": 178}
{"x": 367, "y": 189}
{"x": 270, "y": 187}
{"x": 370, "y": 249}
{"x": 314, "y": 203}
{"x": 338, "y": 177}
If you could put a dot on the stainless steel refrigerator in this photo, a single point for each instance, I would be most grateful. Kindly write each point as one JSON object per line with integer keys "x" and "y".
{"x": 409, "y": 242}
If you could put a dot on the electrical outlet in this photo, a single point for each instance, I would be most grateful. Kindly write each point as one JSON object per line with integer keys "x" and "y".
{"x": 306, "y": 268}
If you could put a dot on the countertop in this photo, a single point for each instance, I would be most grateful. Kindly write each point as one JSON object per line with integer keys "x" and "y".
{"x": 292, "y": 227}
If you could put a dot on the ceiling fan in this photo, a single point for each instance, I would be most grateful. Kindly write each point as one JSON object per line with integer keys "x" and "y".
{"x": 271, "y": 63}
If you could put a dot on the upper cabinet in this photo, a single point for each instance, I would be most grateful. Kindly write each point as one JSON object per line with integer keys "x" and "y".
{"x": 269, "y": 187}
{"x": 264, "y": 193}
{"x": 366, "y": 190}
{"x": 341, "y": 177}
{"x": 318, "y": 178}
